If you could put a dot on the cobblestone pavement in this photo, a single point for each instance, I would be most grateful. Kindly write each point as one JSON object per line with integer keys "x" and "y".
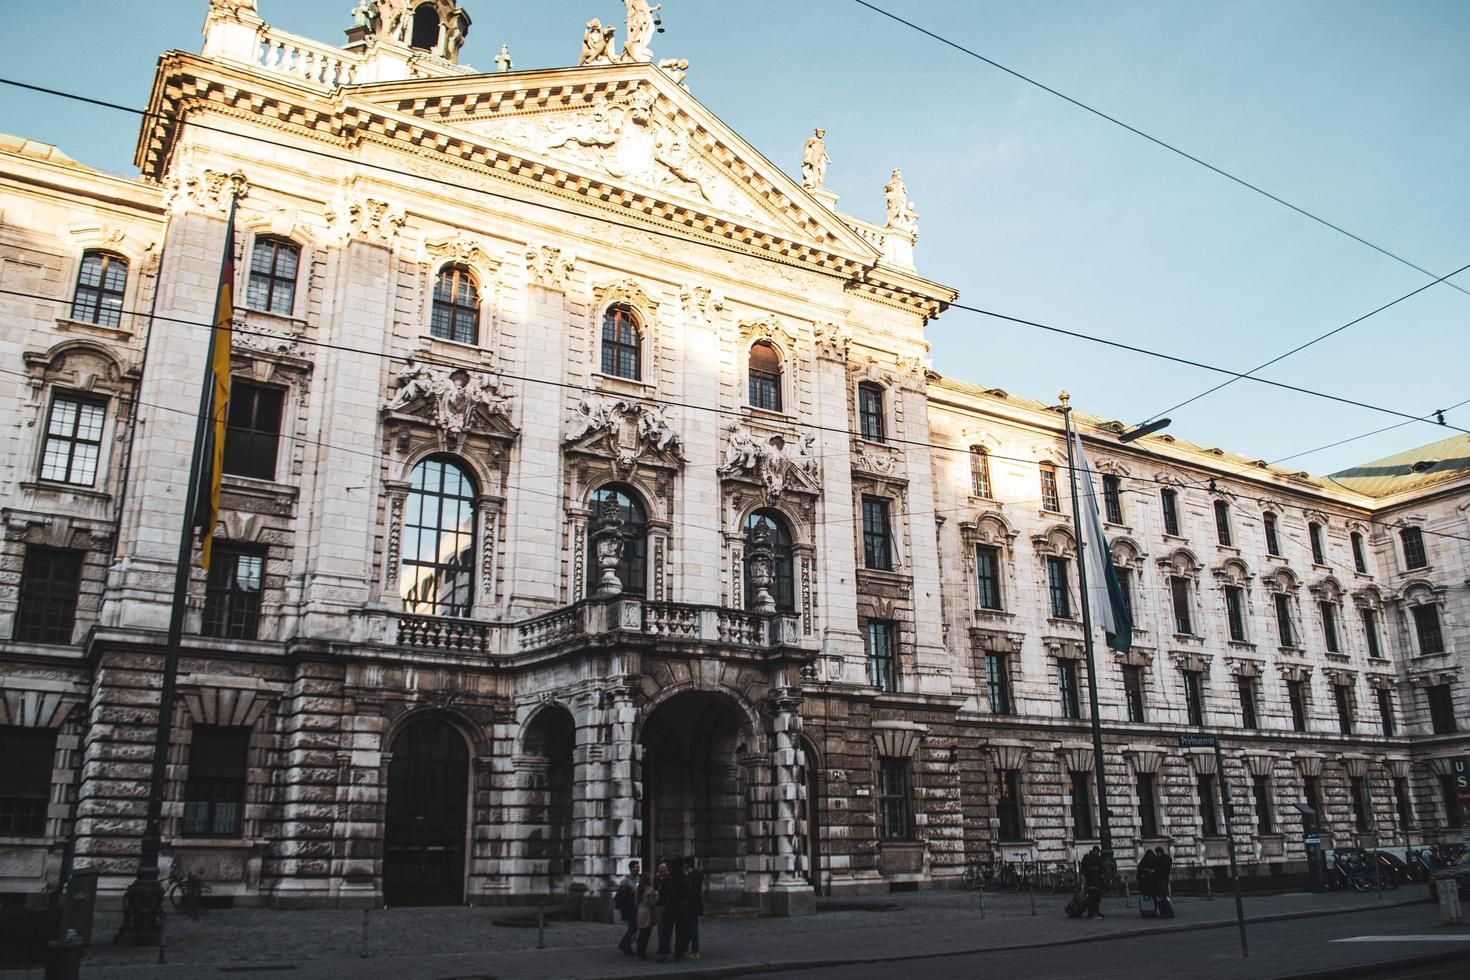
{"x": 463, "y": 943}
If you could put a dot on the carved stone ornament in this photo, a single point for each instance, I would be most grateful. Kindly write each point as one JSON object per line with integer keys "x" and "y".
{"x": 548, "y": 267}
{"x": 772, "y": 462}
{"x": 833, "y": 340}
{"x": 460, "y": 247}
{"x": 700, "y": 304}
{"x": 205, "y": 190}
{"x": 608, "y": 541}
{"x": 231, "y": 8}
{"x": 356, "y": 214}
{"x": 266, "y": 335}
{"x": 599, "y": 45}
{"x": 626, "y": 431}
{"x": 455, "y": 401}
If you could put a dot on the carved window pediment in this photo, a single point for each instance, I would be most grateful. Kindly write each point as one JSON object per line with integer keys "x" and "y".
{"x": 455, "y": 402}
{"x": 625, "y": 432}
{"x": 777, "y": 462}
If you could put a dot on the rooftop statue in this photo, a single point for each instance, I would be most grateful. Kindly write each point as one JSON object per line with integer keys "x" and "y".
{"x": 597, "y": 43}
{"x": 640, "y": 30}
{"x": 502, "y": 60}
{"x": 901, "y": 213}
{"x": 814, "y": 161}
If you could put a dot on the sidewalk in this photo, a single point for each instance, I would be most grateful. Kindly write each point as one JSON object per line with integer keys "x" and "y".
{"x": 462, "y": 943}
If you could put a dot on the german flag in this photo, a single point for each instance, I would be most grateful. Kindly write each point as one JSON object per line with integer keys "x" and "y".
{"x": 220, "y": 341}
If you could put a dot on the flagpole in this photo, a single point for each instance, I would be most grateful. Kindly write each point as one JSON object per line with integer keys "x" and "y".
{"x": 143, "y": 910}
{"x": 1099, "y": 766}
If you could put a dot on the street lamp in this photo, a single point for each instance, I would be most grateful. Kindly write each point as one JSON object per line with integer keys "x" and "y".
{"x": 1146, "y": 429}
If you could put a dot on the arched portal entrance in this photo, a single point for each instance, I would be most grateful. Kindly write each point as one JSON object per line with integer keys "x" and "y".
{"x": 424, "y": 839}
{"x": 547, "y": 764}
{"x": 811, "y": 816}
{"x": 695, "y": 746}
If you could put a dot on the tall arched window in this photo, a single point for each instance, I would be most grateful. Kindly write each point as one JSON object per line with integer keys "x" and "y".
{"x": 622, "y": 344}
{"x": 425, "y": 27}
{"x": 765, "y": 377}
{"x": 456, "y": 313}
{"x": 784, "y": 586}
{"x": 979, "y": 471}
{"x": 437, "y": 575}
{"x": 633, "y": 568}
{"x": 272, "y": 285}
{"x": 100, "y": 285}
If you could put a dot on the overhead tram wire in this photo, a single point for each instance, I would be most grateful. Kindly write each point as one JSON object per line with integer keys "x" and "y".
{"x": 1301, "y": 347}
{"x": 1387, "y": 428}
{"x": 1156, "y": 141}
{"x": 652, "y": 229}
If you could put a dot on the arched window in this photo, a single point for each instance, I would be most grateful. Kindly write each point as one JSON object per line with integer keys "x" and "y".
{"x": 100, "y": 286}
{"x": 871, "y": 424}
{"x": 633, "y": 568}
{"x": 765, "y": 377}
{"x": 272, "y": 285}
{"x": 437, "y": 575}
{"x": 622, "y": 344}
{"x": 784, "y": 586}
{"x": 425, "y": 27}
{"x": 456, "y": 305}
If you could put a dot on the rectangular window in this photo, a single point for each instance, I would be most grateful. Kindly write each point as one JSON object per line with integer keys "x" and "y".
{"x": 1360, "y": 560}
{"x": 877, "y": 539}
{"x": 50, "y": 579}
{"x": 1222, "y": 523}
{"x": 272, "y": 284}
{"x": 998, "y": 683}
{"x": 1454, "y": 815}
{"x": 1170, "y": 501}
{"x": 1329, "y": 626}
{"x": 1342, "y": 694}
{"x": 870, "y": 413}
{"x": 28, "y": 755}
{"x": 1273, "y": 545}
{"x": 1148, "y": 806}
{"x": 1133, "y": 692}
{"x": 1261, "y": 788}
{"x": 1194, "y": 699}
{"x": 254, "y": 431}
{"x": 1125, "y": 587}
{"x": 1059, "y": 587}
{"x": 979, "y": 471}
{"x": 1049, "y": 497}
{"x": 1312, "y": 790}
{"x": 1248, "y": 717}
{"x": 1360, "y": 802}
{"x": 1314, "y": 535}
{"x": 1209, "y": 817}
{"x": 214, "y": 795}
{"x": 1283, "y": 619}
{"x": 1441, "y": 709}
{"x": 1008, "y": 804}
{"x": 1179, "y": 590}
{"x": 987, "y": 577}
{"x": 1296, "y": 693}
{"x": 73, "y": 440}
{"x": 893, "y": 798}
{"x": 1414, "y": 555}
{"x": 232, "y": 595}
{"x": 1370, "y": 633}
{"x": 1403, "y": 803}
{"x": 882, "y": 655}
{"x": 1385, "y": 711}
{"x": 1068, "y": 689}
{"x": 1081, "y": 795}
{"x": 1426, "y": 629}
{"x": 1113, "y": 498}
{"x": 1235, "y": 612}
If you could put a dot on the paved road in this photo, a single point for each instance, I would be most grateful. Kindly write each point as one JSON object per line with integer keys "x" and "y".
{"x": 1277, "y": 949}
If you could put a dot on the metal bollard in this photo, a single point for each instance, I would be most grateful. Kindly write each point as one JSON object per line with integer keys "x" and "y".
{"x": 365, "y": 953}
{"x": 1031, "y": 883}
{"x": 981, "y": 892}
{"x": 541, "y": 926}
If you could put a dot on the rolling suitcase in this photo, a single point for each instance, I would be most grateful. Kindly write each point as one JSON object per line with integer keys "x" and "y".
{"x": 1166, "y": 908}
{"x": 1077, "y": 905}
{"x": 1147, "y": 907}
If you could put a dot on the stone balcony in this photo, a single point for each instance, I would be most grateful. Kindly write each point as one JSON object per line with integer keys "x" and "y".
{"x": 620, "y": 618}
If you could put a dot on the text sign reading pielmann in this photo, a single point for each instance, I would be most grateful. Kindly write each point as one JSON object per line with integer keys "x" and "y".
{"x": 1197, "y": 741}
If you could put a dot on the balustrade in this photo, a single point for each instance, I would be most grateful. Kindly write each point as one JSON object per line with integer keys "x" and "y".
{"x": 444, "y": 633}
{"x": 305, "y": 60}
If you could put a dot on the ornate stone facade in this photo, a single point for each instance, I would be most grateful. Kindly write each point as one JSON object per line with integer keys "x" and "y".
{"x": 470, "y": 415}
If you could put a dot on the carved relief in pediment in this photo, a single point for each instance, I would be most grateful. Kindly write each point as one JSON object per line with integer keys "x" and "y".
{"x": 626, "y": 432}
{"x": 455, "y": 401}
{"x": 774, "y": 461}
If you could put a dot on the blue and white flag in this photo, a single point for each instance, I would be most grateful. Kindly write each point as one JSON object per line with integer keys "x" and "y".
{"x": 1111, "y": 614}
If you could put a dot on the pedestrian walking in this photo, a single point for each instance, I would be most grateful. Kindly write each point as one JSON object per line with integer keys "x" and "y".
{"x": 667, "y": 905}
{"x": 1165, "y": 890}
{"x": 647, "y": 914}
{"x": 695, "y": 879}
{"x": 625, "y": 902}
{"x": 1148, "y": 885}
{"x": 1092, "y": 880}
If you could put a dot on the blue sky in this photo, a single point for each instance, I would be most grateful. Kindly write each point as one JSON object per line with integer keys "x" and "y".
{"x": 1031, "y": 207}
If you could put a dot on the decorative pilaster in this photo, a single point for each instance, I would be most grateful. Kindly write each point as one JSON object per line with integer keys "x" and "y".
{"x": 790, "y": 893}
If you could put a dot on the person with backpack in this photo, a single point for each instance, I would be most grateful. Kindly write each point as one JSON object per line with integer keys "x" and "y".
{"x": 625, "y": 902}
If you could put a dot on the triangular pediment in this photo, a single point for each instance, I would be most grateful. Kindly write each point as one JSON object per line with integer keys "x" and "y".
{"x": 627, "y": 126}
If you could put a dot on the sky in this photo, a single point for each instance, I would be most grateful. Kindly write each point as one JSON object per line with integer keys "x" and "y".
{"x": 1029, "y": 206}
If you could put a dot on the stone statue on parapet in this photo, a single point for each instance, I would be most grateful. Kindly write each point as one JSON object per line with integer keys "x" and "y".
{"x": 597, "y": 44}
{"x": 502, "y": 60}
{"x": 901, "y": 213}
{"x": 814, "y": 161}
{"x": 641, "y": 24}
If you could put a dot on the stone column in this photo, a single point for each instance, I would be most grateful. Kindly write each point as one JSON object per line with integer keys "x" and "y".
{"x": 790, "y": 893}
{"x": 836, "y": 556}
{"x": 607, "y": 795}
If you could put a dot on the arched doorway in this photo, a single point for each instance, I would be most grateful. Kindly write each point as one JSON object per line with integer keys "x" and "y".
{"x": 424, "y": 839}
{"x": 695, "y": 746}
{"x": 811, "y": 823}
{"x": 547, "y": 764}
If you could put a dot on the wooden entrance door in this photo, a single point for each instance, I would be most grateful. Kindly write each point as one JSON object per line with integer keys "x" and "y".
{"x": 424, "y": 844}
